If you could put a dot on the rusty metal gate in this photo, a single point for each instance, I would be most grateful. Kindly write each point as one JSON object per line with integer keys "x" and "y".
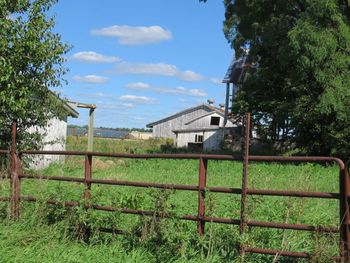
{"x": 16, "y": 175}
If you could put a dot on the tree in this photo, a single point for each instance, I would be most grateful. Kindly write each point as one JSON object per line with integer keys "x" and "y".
{"x": 301, "y": 91}
{"x": 31, "y": 62}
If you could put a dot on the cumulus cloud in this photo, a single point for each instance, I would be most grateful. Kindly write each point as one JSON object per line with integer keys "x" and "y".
{"x": 160, "y": 69}
{"x": 91, "y": 79}
{"x": 138, "y": 99}
{"x": 134, "y": 35}
{"x": 190, "y": 92}
{"x": 138, "y": 86}
{"x": 115, "y": 106}
{"x": 91, "y": 56}
{"x": 165, "y": 90}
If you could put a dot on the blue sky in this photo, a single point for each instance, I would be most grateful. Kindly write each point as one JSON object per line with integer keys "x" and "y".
{"x": 140, "y": 61}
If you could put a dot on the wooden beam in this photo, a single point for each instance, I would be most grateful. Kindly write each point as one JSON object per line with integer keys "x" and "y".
{"x": 91, "y": 129}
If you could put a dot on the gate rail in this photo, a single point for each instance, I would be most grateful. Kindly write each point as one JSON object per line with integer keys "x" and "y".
{"x": 16, "y": 175}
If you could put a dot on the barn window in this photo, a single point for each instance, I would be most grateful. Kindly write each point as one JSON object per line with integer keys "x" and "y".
{"x": 215, "y": 121}
{"x": 198, "y": 138}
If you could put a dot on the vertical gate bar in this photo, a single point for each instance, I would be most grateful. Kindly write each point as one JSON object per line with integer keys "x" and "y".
{"x": 344, "y": 188}
{"x": 244, "y": 180}
{"x": 88, "y": 176}
{"x": 202, "y": 182}
{"x": 347, "y": 194}
{"x": 14, "y": 179}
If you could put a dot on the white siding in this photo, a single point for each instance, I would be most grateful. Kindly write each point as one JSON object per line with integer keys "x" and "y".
{"x": 54, "y": 140}
{"x": 165, "y": 129}
{"x": 183, "y": 138}
{"x": 194, "y": 122}
{"x": 212, "y": 140}
{"x": 204, "y": 122}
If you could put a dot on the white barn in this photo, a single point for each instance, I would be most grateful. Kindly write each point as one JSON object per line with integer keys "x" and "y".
{"x": 200, "y": 127}
{"x": 54, "y": 139}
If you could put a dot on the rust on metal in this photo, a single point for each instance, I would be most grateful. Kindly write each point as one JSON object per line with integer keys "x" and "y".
{"x": 278, "y": 252}
{"x": 244, "y": 181}
{"x": 14, "y": 177}
{"x": 229, "y": 221}
{"x": 343, "y": 195}
{"x": 344, "y": 188}
{"x": 202, "y": 181}
{"x": 186, "y": 187}
{"x": 88, "y": 177}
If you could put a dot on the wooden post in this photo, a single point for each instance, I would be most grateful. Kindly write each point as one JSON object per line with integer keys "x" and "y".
{"x": 202, "y": 182}
{"x": 14, "y": 177}
{"x": 91, "y": 129}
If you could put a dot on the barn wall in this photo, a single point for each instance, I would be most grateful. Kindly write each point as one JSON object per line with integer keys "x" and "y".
{"x": 54, "y": 140}
{"x": 212, "y": 140}
{"x": 164, "y": 129}
{"x": 205, "y": 122}
{"x": 184, "y": 138}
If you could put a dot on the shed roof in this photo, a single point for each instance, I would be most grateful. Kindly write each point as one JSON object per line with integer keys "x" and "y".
{"x": 67, "y": 106}
{"x": 70, "y": 109}
{"x": 209, "y": 107}
{"x": 203, "y": 129}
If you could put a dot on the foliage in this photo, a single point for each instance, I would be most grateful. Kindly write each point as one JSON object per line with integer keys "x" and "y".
{"x": 55, "y": 233}
{"x": 31, "y": 62}
{"x": 301, "y": 92}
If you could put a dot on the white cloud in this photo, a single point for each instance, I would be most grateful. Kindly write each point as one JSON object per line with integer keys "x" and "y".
{"x": 189, "y": 75}
{"x": 161, "y": 69}
{"x": 166, "y": 90}
{"x": 91, "y": 79}
{"x": 138, "y": 86}
{"x": 138, "y": 99}
{"x": 128, "y": 105}
{"x": 94, "y": 95}
{"x": 216, "y": 81}
{"x": 91, "y": 56}
{"x": 115, "y": 106}
{"x": 130, "y": 35}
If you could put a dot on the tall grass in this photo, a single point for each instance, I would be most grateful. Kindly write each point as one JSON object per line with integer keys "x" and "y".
{"x": 47, "y": 233}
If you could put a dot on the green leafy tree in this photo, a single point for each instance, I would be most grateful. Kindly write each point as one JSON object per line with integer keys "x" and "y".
{"x": 31, "y": 62}
{"x": 301, "y": 92}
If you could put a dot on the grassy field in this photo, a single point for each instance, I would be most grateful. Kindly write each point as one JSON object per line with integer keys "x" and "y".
{"x": 47, "y": 233}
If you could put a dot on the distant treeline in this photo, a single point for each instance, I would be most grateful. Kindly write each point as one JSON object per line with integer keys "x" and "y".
{"x": 115, "y": 129}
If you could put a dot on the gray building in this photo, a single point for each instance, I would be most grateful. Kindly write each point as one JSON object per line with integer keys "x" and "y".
{"x": 200, "y": 127}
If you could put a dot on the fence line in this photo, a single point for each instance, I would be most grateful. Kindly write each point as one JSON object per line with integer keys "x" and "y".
{"x": 16, "y": 175}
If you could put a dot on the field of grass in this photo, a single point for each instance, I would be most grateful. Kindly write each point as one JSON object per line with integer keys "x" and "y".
{"x": 47, "y": 233}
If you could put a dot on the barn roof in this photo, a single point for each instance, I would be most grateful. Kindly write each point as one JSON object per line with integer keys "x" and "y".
{"x": 203, "y": 129}
{"x": 69, "y": 108}
{"x": 67, "y": 105}
{"x": 209, "y": 107}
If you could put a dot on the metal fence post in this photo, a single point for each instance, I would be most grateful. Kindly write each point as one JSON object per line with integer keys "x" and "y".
{"x": 344, "y": 188}
{"x": 202, "y": 182}
{"x": 14, "y": 177}
{"x": 88, "y": 176}
{"x": 244, "y": 180}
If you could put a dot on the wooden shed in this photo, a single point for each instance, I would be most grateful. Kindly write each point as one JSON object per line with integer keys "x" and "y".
{"x": 200, "y": 127}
